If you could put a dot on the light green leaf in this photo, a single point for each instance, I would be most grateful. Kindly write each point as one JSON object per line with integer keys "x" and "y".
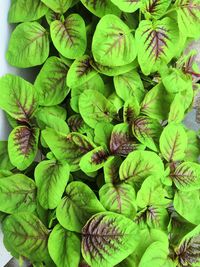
{"x": 156, "y": 103}
{"x": 116, "y": 101}
{"x": 173, "y": 142}
{"x": 79, "y": 204}
{"x": 23, "y": 146}
{"x": 69, "y": 148}
{"x": 58, "y": 6}
{"x": 50, "y": 83}
{"x": 17, "y": 193}
{"x": 139, "y": 165}
{"x": 94, "y": 108}
{"x": 129, "y": 85}
{"x": 28, "y": 46}
{"x": 102, "y": 133}
{"x": 111, "y": 169}
{"x": 27, "y": 235}
{"x": 131, "y": 109}
{"x": 156, "y": 43}
{"x": 127, "y": 6}
{"x": 101, "y": 7}
{"x": 26, "y": 10}
{"x": 57, "y": 111}
{"x": 187, "y": 205}
{"x": 147, "y": 131}
{"x": 51, "y": 178}
{"x": 18, "y": 97}
{"x": 188, "y": 17}
{"x": 113, "y": 43}
{"x": 69, "y": 37}
{"x": 187, "y": 176}
{"x": 80, "y": 72}
{"x": 177, "y": 110}
{"x": 108, "y": 238}
{"x": 193, "y": 147}
{"x": 119, "y": 198}
{"x": 67, "y": 250}
{"x": 94, "y": 160}
{"x": 5, "y": 163}
{"x": 154, "y": 8}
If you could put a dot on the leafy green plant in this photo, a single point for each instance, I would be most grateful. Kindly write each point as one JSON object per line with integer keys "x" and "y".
{"x": 99, "y": 168}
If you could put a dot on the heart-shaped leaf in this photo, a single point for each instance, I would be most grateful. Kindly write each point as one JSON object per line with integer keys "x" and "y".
{"x": 50, "y": 83}
{"x": 147, "y": 131}
{"x": 79, "y": 204}
{"x": 58, "y": 6}
{"x": 188, "y": 17}
{"x": 128, "y": 85}
{"x": 113, "y": 43}
{"x": 156, "y": 42}
{"x": 18, "y": 193}
{"x": 101, "y": 7}
{"x": 80, "y": 72}
{"x": 119, "y": 198}
{"x": 69, "y": 147}
{"x": 51, "y": 178}
{"x": 187, "y": 176}
{"x": 23, "y": 146}
{"x": 26, "y": 10}
{"x": 67, "y": 249}
{"x": 173, "y": 142}
{"x": 154, "y": 8}
{"x": 127, "y": 5}
{"x": 108, "y": 238}
{"x": 139, "y": 165}
{"x": 94, "y": 160}
{"x": 94, "y": 108}
{"x": 69, "y": 37}
{"x": 28, "y": 46}
{"x": 18, "y": 97}
{"x": 25, "y": 233}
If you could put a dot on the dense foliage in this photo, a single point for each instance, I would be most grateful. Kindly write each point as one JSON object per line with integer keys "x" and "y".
{"x": 99, "y": 169}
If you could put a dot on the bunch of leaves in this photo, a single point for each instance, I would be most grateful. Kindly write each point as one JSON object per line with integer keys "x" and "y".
{"x": 99, "y": 169}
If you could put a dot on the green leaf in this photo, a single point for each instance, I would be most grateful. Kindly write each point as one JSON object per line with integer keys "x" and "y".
{"x": 58, "y": 6}
{"x": 51, "y": 178}
{"x": 67, "y": 250}
{"x": 108, "y": 238}
{"x": 94, "y": 160}
{"x": 50, "y": 83}
{"x": 77, "y": 124}
{"x": 121, "y": 142}
{"x": 27, "y": 235}
{"x": 193, "y": 147}
{"x": 94, "y": 108}
{"x": 189, "y": 247}
{"x": 139, "y": 165}
{"x": 188, "y": 17}
{"x": 57, "y": 111}
{"x": 173, "y": 142}
{"x": 113, "y": 43}
{"x": 127, "y": 6}
{"x": 131, "y": 109}
{"x": 187, "y": 205}
{"x": 18, "y": 193}
{"x": 154, "y": 8}
{"x": 156, "y": 103}
{"x": 69, "y": 37}
{"x": 79, "y": 204}
{"x": 147, "y": 131}
{"x": 111, "y": 170}
{"x": 23, "y": 146}
{"x": 156, "y": 43}
{"x": 28, "y": 46}
{"x": 119, "y": 198}
{"x": 187, "y": 176}
{"x": 177, "y": 110}
{"x": 69, "y": 148}
{"x": 129, "y": 85}
{"x": 5, "y": 163}
{"x": 102, "y": 133}
{"x": 18, "y": 97}
{"x": 101, "y": 7}
{"x": 26, "y": 10}
{"x": 80, "y": 72}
